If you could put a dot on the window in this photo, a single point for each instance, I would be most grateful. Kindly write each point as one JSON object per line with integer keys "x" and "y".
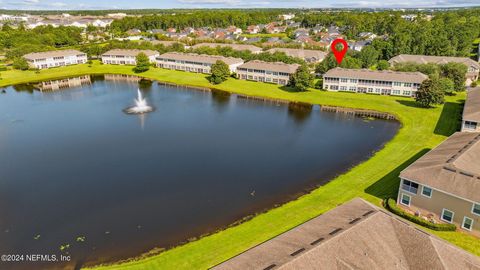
{"x": 395, "y": 92}
{"x": 447, "y": 215}
{"x": 352, "y": 88}
{"x": 407, "y": 93}
{"x": 426, "y": 191}
{"x": 344, "y": 80}
{"x": 405, "y": 200}
{"x": 470, "y": 125}
{"x": 467, "y": 223}
{"x": 407, "y": 85}
{"x": 410, "y": 186}
{"x": 397, "y": 84}
{"x": 343, "y": 88}
{"x": 353, "y": 80}
{"x": 476, "y": 209}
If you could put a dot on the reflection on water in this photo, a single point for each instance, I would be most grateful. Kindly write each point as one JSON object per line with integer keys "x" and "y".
{"x": 55, "y": 85}
{"x": 72, "y": 164}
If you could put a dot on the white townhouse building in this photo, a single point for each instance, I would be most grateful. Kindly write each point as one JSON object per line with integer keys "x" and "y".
{"x": 271, "y": 72}
{"x": 42, "y": 60}
{"x": 383, "y": 82}
{"x": 193, "y": 62}
{"x": 126, "y": 56}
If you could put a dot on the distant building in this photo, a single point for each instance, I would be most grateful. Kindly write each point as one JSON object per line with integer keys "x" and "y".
{"x": 253, "y": 29}
{"x": 373, "y": 81}
{"x": 310, "y": 56}
{"x": 192, "y": 62}
{"x": 166, "y": 43}
{"x": 134, "y": 32}
{"x": 236, "y": 47}
{"x": 285, "y": 17}
{"x": 42, "y": 60}
{"x": 358, "y": 45}
{"x": 354, "y": 235}
{"x": 444, "y": 184}
{"x": 471, "y": 111}
{"x": 277, "y": 72}
{"x": 126, "y": 56}
{"x": 473, "y": 66}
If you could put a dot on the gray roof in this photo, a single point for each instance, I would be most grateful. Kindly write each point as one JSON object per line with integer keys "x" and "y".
{"x": 271, "y": 66}
{"x": 129, "y": 52}
{"x": 423, "y": 59}
{"x": 301, "y": 53}
{"x": 451, "y": 167}
{"x": 378, "y": 75}
{"x": 203, "y": 58}
{"x": 50, "y": 54}
{"x": 471, "y": 111}
{"x": 237, "y": 47}
{"x": 166, "y": 42}
{"x": 355, "y": 235}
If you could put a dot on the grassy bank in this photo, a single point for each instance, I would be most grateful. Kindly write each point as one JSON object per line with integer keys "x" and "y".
{"x": 373, "y": 180}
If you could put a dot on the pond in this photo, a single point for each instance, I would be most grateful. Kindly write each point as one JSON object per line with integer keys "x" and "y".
{"x": 80, "y": 177}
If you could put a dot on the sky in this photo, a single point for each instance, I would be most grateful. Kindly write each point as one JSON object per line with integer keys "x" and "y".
{"x": 166, "y": 4}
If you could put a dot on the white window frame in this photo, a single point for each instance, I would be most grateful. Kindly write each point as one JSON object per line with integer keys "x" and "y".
{"x": 473, "y": 207}
{"x": 443, "y": 211}
{"x": 471, "y": 224}
{"x": 431, "y": 191}
{"x": 409, "y": 199}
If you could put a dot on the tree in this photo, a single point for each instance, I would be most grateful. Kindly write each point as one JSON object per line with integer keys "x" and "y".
{"x": 368, "y": 56}
{"x": 383, "y": 65}
{"x": 143, "y": 63}
{"x": 220, "y": 72}
{"x": 301, "y": 79}
{"x": 429, "y": 93}
{"x": 455, "y": 72}
{"x": 446, "y": 86}
{"x": 20, "y": 63}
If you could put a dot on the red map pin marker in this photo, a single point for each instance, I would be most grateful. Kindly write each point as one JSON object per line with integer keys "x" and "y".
{"x": 339, "y": 54}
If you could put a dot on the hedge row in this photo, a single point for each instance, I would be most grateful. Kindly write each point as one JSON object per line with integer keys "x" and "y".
{"x": 392, "y": 206}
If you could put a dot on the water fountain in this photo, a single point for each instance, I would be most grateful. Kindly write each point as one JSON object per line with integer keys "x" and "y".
{"x": 141, "y": 105}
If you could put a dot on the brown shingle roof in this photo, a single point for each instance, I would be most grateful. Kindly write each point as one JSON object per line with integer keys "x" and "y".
{"x": 129, "y": 52}
{"x": 378, "y": 75}
{"x": 49, "y": 54}
{"x": 203, "y": 58}
{"x": 301, "y": 53}
{"x": 451, "y": 167}
{"x": 356, "y": 235}
{"x": 237, "y": 47}
{"x": 271, "y": 66}
{"x": 423, "y": 59}
{"x": 471, "y": 111}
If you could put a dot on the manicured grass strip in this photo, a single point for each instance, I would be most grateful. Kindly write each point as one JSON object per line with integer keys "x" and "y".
{"x": 374, "y": 180}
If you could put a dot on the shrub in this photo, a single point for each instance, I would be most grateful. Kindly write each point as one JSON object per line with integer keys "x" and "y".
{"x": 392, "y": 207}
{"x": 474, "y": 84}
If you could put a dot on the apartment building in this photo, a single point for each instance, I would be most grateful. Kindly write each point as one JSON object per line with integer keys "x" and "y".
{"x": 309, "y": 56}
{"x": 473, "y": 67}
{"x": 382, "y": 82}
{"x": 236, "y": 47}
{"x": 471, "y": 111}
{"x": 42, "y": 60}
{"x": 444, "y": 184}
{"x": 354, "y": 235}
{"x": 270, "y": 72}
{"x": 126, "y": 56}
{"x": 192, "y": 62}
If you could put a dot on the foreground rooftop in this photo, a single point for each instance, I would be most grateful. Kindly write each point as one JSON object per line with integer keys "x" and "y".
{"x": 471, "y": 111}
{"x": 377, "y": 75}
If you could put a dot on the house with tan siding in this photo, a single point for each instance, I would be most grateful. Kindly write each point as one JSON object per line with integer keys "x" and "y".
{"x": 381, "y": 82}
{"x": 235, "y": 47}
{"x": 42, "y": 60}
{"x": 127, "y": 56}
{"x": 471, "y": 111}
{"x": 444, "y": 184}
{"x": 271, "y": 72}
{"x": 193, "y": 62}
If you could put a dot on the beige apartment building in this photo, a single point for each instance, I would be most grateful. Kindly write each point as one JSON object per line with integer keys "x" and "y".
{"x": 309, "y": 56}
{"x": 192, "y": 62}
{"x": 236, "y": 47}
{"x": 471, "y": 111}
{"x": 444, "y": 184}
{"x": 381, "y": 82}
{"x": 473, "y": 67}
{"x": 270, "y": 72}
{"x": 126, "y": 56}
{"x": 42, "y": 60}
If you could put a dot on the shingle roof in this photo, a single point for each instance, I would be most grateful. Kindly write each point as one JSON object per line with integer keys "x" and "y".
{"x": 301, "y": 53}
{"x": 379, "y": 75}
{"x": 49, "y": 54}
{"x": 451, "y": 167}
{"x": 471, "y": 111}
{"x": 203, "y": 58}
{"x": 355, "y": 235}
{"x": 129, "y": 52}
{"x": 423, "y": 59}
{"x": 166, "y": 42}
{"x": 237, "y": 47}
{"x": 271, "y": 66}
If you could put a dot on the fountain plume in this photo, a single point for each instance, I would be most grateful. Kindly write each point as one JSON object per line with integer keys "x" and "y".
{"x": 141, "y": 105}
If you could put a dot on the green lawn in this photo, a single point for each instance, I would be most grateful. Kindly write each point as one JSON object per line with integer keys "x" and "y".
{"x": 373, "y": 180}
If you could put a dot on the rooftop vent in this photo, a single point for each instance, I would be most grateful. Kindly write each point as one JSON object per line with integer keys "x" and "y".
{"x": 354, "y": 221}
{"x": 317, "y": 241}
{"x": 297, "y": 252}
{"x": 335, "y": 231}
{"x": 271, "y": 266}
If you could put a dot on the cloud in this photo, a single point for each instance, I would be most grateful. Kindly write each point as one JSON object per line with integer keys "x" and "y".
{"x": 58, "y": 4}
{"x": 31, "y": 1}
